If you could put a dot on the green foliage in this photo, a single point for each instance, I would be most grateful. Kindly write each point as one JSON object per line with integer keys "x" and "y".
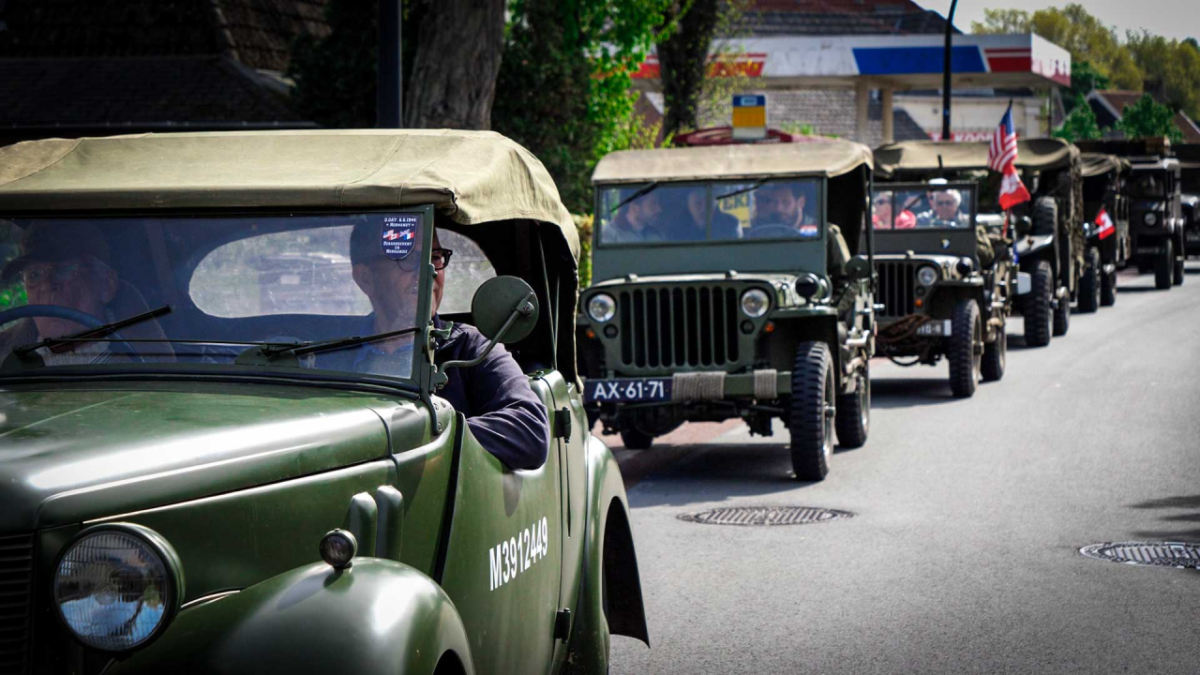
{"x": 583, "y": 225}
{"x": 1171, "y": 70}
{"x": 1081, "y": 124}
{"x": 1149, "y": 119}
{"x": 335, "y": 76}
{"x": 1084, "y": 79}
{"x": 13, "y": 296}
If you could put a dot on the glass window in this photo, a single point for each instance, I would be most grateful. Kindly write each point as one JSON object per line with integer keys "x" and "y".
{"x": 467, "y": 271}
{"x": 931, "y": 207}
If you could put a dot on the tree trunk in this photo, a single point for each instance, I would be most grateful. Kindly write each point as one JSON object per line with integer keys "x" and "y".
{"x": 453, "y": 76}
{"x": 683, "y": 62}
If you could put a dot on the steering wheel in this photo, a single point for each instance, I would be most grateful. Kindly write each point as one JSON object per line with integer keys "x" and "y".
{"x": 81, "y": 318}
{"x": 770, "y": 230}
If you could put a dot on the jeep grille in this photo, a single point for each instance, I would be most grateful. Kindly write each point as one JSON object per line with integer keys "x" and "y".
{"x": 897, "y": 281}
{"x": 672, "y": 327}
{"x": 16, "y": 587}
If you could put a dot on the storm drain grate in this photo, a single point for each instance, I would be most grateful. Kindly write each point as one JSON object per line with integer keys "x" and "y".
{"x": 765, "y": 515}
{"x": 1159, "y": 554}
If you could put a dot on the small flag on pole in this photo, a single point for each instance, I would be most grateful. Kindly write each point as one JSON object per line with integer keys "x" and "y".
{"x": 1104, "y": 224}
{"x": 1002, "y": 158}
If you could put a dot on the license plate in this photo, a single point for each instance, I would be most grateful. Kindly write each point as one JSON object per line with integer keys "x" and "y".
{"x": 638, "y": 389}
{"x": 1147, "y": 250}
{"x": 934, "y": 328}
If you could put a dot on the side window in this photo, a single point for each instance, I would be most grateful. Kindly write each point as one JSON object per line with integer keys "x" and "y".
{"x": 467, "y": 271}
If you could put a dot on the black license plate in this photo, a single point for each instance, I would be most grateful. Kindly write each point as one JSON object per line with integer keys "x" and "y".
{"x": 634, "y": 389}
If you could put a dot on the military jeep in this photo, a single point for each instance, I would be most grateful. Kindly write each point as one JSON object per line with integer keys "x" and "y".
{"x": 733, "y": 282}
{"x": 223, "y": 470}
{"x": 1189, "y": 166}
{"x": 1047, "y": 230}
{"x": 946, "y": 281}
{"x": 1106, "y": 226}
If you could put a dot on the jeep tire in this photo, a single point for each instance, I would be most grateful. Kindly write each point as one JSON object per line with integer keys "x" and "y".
{"x": 995, "y": 357}
{"x": 1089, "y": 283}
{"x": 1164, "y": 266}
{"x": 812, "y": 411}
{"x": 853, "y": 419}
{"x": 965, "y": 349}
{"x": 1062, "y": 316}
{"x": 636, "y": 439}
{"x": 1038, "y": 317}
{"x": 1179, "y": 270}
{"x": 1108, "y": 289}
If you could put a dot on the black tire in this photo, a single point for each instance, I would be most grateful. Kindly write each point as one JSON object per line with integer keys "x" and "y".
{"x": 966, "y": 349}
{"x": 635, "y": 439}
{"x": 1164, "y": 266}
{"x": 1108, "y": 289}
{"x": 1045, "y": 216}
{"x": 995, "y": 358}
{"x": 1179, "y": 271}
{"x": 853, "y": 419}
{"x": 1089, "y": 283}
{"x": 1062, "y": 316}
{"x": 1038, "y": 317}
{"x": 812, "y": 411}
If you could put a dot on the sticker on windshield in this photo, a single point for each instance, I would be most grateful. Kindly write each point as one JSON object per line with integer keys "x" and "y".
{"x": 400, "y": 235}
{"x": 808, "y": 231}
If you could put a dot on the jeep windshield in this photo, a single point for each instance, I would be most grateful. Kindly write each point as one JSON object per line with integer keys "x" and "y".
{"x": 204, "y": 291}
{"x": 679, "y": 213}
{"x": 1148, "y": 185}
{"x": 929, "y": 207}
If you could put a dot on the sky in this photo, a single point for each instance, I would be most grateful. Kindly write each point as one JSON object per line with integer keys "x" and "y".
{"x": 1177, "y": 19}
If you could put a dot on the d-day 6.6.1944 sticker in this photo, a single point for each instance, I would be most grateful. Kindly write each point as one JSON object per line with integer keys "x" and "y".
{"x": 509, "y": 559}
{"x": 399, "y": 235}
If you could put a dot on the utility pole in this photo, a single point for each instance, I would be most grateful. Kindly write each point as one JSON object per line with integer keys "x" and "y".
{"x": 946, "y": 72}
{"x": 389, "y": 107}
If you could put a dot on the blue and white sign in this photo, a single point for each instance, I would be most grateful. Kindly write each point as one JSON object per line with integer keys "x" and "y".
{"x": 400, "y": 235}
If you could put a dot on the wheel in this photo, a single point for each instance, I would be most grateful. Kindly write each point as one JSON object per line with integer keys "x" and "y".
{"x": 1108, "y": 289}
{"x": 1045, "y": 216}
{"x": 812, "y": 411}
{"x": 853, "y": 420}
{"x": 1163, "y": 267}
{"x": 995, "y": 358}
{"x": 1089, "y": 283}
{"x": 1038, "y": 317}
{"x": 1179, "y": 268}
{"x": 966, "y": 348}
{"x": 635, "y": 439}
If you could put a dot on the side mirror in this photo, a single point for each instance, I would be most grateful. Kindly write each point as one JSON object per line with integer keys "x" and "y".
{"x": 505, "y": 309}
{"x": 858, "y": 268}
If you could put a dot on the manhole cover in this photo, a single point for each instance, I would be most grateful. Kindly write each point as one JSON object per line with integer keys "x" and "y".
{"x": 1159, "y": 554}
{"x": 765, "y": 515}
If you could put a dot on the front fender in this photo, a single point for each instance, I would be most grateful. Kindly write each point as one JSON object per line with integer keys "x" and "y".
{"x": 377, "y": 617}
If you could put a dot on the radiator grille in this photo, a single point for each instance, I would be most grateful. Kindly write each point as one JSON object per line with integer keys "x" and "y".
{"x": 16, "y": 588}
{"x": 897, "y": 280}
{"x": 682, "y": 326}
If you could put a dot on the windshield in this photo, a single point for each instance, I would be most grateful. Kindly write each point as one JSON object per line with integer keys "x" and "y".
{"x": 927, "y": 207}
{"x": 1147, "y": 185}
{"x": 221, "y": 286}
{"x": 721, "y": 211}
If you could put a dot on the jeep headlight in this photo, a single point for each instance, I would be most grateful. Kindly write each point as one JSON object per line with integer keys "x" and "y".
{"x": 755, "y": 302}
{"x": 116, "y": 587}
{"x": 1150, "y": 218}
{"x": 927, "y": 275}
{"x": 602, "y": 307}
{"x": 810, "y": 286}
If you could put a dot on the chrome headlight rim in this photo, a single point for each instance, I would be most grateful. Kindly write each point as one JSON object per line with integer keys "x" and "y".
{"x": 764, "y": 300}
{"x": 1150, "y": 219}
{"x": 172, "y": 594}
{"x": 603, "y": 317}
{"x": 927, "y": 275}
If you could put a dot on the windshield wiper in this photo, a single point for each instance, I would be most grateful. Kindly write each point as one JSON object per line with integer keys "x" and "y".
{"x": 641, "y": 192}
{"x": 743, "y": 191}
{"x": 90, "y": 334}
{"x": 301, "y": 348}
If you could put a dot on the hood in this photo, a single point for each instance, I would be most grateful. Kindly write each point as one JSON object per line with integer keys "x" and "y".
{"x": 736, "y": 278}
{"x": 73, "y": 454}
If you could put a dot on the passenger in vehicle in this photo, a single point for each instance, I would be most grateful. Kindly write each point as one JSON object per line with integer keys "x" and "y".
{"x": 945, "y": 210}
{"x": 69, "y": 266}
{"x": 882, "y": 216}
{"x": 635, "y": 221}
{"x": 689, "y": 218}
{"x": 782, "y": 203}
{"x": 502, "y": 411}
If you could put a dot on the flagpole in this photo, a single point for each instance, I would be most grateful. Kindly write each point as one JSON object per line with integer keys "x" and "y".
{"x": 946, "y": 74}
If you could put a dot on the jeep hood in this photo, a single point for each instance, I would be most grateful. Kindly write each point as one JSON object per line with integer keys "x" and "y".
{"x": 738, "y": 278}
{"x": 73, "y": 454}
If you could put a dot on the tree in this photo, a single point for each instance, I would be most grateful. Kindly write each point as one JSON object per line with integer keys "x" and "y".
{"x": 1171, "y": 69}
{"x": 683, "y": 60}
{"x": 457, "y": 59}
{"x": 1084, "y": 80}
{"x": 335, "y": 76}
{"x": 1081, "y": 124}
{"x": 1148, "y": 118}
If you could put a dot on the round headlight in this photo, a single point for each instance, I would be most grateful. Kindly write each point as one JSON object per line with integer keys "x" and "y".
{"x": 965, "y": 265}
{"x": 810, "y": 286}
{"x": 927, "y": 275}
{"x": 602, "y": 307}
{"x": 116, "y": 587}
{"x": 1150, "y": 218}
{"x": 755, "y": 302}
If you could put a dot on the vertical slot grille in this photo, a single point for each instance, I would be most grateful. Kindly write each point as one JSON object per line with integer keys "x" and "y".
{"x": 16, "y": 588}
{"x": 897, "y": 281}
{"x": 674, "y": 327}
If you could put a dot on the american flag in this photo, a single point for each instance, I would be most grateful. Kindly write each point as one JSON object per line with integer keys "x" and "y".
{"x": 1002, "y": 158}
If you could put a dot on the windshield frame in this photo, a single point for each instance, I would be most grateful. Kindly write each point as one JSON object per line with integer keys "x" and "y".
{"x": 961, "y": 186}
{"x": 419, "y": 383}
{"x": 821, "y": 214}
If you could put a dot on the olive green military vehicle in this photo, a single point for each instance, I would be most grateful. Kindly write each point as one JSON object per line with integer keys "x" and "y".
{"x": 733, "y": 281}
{"x": 207, "y": 476}
{"x": 946, "y": 281}
{"x": 1189, "y": 173}
{"x": 1106, "y": 228}
{"x": 1047, "y": 230}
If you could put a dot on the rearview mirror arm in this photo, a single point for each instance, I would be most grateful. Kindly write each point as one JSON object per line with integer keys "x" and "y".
{"x": 524, "y": 308}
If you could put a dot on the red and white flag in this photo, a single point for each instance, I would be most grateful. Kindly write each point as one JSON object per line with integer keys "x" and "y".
{"x": 1104, "y": 224}
{"x": 1002, "y": 158}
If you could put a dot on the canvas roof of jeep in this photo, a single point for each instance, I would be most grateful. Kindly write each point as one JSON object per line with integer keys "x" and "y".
{"x": 1034, "y": 153}
{"x": 723, "y": 162}
{"x": 472, "y": 177}
{"x": 1096, "y": 164}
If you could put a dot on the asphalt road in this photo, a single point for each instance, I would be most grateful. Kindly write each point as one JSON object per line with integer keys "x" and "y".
{"x": 963, "y": 553}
